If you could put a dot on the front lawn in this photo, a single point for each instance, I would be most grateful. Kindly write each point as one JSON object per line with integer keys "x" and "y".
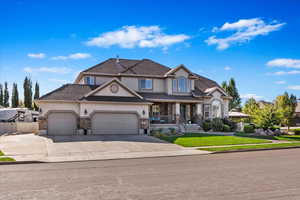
{"x": 6, "y": 159}
{"x": 203, "y": 139}
{"x": 259, "y": 146}
{"x": 281, "y": 137}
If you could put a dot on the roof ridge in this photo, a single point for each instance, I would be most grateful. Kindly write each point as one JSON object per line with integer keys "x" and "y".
{"x": 129, "y": 68}
{"x": 97, "y": 65}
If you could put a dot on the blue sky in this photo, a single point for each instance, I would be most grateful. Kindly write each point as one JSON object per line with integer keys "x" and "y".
{"x": 256, "y": 42}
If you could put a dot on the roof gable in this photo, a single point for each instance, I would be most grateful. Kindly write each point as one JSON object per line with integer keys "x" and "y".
{"x": 113, "y": 88}
{"x": 180, "y": 67}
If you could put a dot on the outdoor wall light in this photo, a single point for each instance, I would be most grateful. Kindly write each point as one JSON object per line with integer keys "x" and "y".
{"x": 40, "y": 110}
{"x": 85, "y": 112}
{"x": 144, "y": 112}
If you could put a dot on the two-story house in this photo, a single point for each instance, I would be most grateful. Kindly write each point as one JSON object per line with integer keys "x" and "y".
{"x": 122, "y": 96}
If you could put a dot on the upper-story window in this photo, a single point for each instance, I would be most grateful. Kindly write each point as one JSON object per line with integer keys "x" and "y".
{"x": 90, "y": 80}
{"x": 181, "y": 84}
{"x": 146, "y": 84}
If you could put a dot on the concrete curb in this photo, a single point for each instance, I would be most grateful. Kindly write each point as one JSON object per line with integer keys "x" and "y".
{"x": 246, "y": 150}
{"x": 19, "y": 162}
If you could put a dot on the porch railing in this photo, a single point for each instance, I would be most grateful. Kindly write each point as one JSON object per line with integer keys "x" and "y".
{"x": 163, "y": 119}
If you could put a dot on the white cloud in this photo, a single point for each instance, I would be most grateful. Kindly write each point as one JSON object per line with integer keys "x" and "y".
{"x": 245, "y": 30}
{"x": 75, "y": 56}
{"x": 227, "y": 68}
{"x": 57, "y": 70}
{"x": 294, "y": 87}
{"x": 284, "y": 62}
{"x": 280, "y": 82}
{"x": 137, "y": 36}
{"x": 61, "y": 81}
{"x": 279, "y": 73}
{"x": 248, "y": 96}
{"x": 36, "y": 55}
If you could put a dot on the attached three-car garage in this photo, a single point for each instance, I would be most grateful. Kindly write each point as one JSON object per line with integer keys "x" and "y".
{"x": 114, "y": 123}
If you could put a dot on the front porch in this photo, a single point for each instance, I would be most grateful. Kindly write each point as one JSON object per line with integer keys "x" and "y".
{"x": 175, "y": 113}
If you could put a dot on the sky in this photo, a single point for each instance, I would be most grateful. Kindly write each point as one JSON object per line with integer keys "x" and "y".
{"x": 255, "y": 42}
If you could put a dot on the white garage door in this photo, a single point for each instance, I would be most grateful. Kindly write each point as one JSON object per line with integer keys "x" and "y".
{"x": 61, "y": 123}
{"x": 114, "y": 123}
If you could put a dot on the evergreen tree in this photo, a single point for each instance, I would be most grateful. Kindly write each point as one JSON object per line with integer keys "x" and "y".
{"x": 36, "y": 95}
{"x": 27, "y": 85}
{"x": 232, "y": 91}
{"x": 1, "y": 95}
{"x": 15, "y": 96}
{"x": 5, "y": 96}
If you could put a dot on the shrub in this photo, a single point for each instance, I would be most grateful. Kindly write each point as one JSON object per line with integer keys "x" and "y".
{"x": 230, "y": 123}
{"x": 226, "y": 128}
{"x": 296, "y": 131}
{"x": 206, "y": 126}
{"x": 217, "y": 124}
{"x": 172, "y": 130}
{"x": 249, "y": 128}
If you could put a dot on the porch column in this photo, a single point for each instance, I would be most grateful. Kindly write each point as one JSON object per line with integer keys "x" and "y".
{"x": 199, "y": 111}
{"x": 177, "y": 112}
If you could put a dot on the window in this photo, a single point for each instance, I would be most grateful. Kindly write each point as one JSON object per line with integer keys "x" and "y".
{"x": 182, "y": 84}
{"x": 216, "y": 109}
{"x": 175, "y": 85}
{"x": 146, "y": 84}
{"x": 206, "y": 110}
{"x": 90, "y": 80}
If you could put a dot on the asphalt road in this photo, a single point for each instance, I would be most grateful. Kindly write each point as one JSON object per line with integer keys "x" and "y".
{"x": 235, "y": 176}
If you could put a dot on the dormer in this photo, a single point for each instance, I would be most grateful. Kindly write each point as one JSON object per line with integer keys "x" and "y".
{"x": 181, "y": 80}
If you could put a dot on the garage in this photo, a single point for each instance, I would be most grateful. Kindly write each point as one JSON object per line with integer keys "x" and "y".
{"x": 114, "y": 123}
{"x": 62, "y": 123}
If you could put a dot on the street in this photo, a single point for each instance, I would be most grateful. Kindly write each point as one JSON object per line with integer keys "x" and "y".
{"x": 232, "y": 176}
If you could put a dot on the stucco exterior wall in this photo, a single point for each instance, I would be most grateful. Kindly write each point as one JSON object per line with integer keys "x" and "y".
{"x": 45, "y": 107}
{"x": 90, "y": 107}
{"x": 181, "y": 72}
{"x": 107, "y": 92}
{"x": 131, "y": 82}
{"x": 159, "y": 85}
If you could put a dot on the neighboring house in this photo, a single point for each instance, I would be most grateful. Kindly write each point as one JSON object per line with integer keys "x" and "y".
{"x": 297, "y": 115}
{"x": 122, "y": 96}
{"x": 263, "y": 103}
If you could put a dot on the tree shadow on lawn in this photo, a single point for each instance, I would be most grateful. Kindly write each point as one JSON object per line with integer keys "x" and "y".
{"x": 270, "y": 137}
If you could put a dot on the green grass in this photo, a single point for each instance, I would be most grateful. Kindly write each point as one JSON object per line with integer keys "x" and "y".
{"x": 6, "y": 159}
{"x": 202, "y": 139}
{"x": 1, "y": 153}
{"x": 281, "y": 137}
{"x": 261, "y": 146}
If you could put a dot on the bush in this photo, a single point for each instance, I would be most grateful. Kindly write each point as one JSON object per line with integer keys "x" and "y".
{"x": 226, "y": 128}
{"x": 249, "y": 128}
{"x": 296, "y": 131}
{"x": 206, "y": 126}
{"x": 172, "y": 130}
{"x": 230, "y": 123}
{"x": 217, "y": 124}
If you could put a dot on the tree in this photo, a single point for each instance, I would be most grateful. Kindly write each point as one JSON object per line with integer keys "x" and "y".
{"x": 15, "y": 96}
{"x": 232, "y": 91}
{"x": 251, "y": 108}
{"x": 266, "y": 117}
{"x": 285, "y": 107}
{"x": 36, "y": 95}
{"x": 1, "y": 95}
{"x": 27, "y": 85}
{"x": 5, "y": 96}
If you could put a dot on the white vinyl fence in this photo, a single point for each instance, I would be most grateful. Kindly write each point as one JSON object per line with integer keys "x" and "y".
{"x": 18, "y": 127}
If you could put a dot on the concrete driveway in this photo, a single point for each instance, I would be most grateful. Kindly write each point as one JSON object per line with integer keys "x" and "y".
{"x": 88, "y": 147}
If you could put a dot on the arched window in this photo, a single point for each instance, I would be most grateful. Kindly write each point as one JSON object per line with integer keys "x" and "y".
{"x": 216, "y": 109}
